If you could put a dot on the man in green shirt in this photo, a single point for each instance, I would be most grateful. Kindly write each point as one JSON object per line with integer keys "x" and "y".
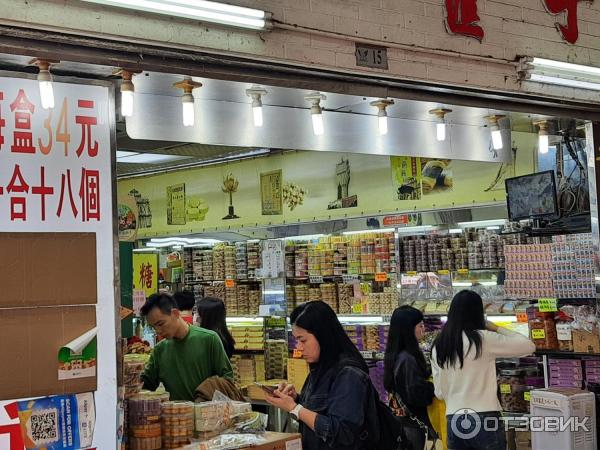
{"x": 186, "y": 356}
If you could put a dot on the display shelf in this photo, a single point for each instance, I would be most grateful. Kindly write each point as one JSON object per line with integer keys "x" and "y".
{"x": 560, "y": 353}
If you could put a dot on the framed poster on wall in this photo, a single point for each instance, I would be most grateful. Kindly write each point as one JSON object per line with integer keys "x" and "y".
{"x": 176, "y": 204}
{"x": 271, "y": 192}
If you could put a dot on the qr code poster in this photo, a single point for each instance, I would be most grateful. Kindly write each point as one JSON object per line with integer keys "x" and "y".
{"x": 62, "y": 422}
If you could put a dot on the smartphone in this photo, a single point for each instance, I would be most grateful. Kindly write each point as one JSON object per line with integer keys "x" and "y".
{"x": 268, "y": 389}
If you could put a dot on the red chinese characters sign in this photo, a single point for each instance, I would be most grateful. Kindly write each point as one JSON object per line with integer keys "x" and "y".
{"x": 462, "y": 18}
{"x": 55, "y": 163}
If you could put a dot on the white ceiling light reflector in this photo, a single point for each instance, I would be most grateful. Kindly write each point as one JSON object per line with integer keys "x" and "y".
{"x": 202, "y": 10}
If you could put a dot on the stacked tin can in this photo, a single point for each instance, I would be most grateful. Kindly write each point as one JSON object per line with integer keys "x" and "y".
{"x": 177, "y": 424}
{"x": 144, "y": 423}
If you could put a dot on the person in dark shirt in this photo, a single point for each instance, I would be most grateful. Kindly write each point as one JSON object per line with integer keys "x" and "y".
{"x": 211, "y": 315}
{"x": 405, "y": 371}
{"x": 185, "y": 303}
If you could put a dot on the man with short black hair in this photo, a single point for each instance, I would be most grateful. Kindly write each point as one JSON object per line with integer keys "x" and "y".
{"x": 185, "y": 303}
{"x": 186, "y": 357}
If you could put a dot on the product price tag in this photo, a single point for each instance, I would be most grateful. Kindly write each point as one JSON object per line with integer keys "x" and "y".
{"x": 349, "y": 278}
{"x": 411, "y": 273}
{"x": 463, "y": 271}
{"x": 443, "y": 272}
{"x": 315, "y": 279}
{"x": 527, "y": 396}
{"x": 547, "y": 305}
{"x": 505, "y": 389}
{"x": 381, "y": 276}
{"x": 366, "y": 354}
{"x": 229, "y": 283}
{"x": 297, "y": 354}
{"x": 538, "y": 334}
{"x": 564, "y": 331}
{"x": 357, "y": 309}
{"x": 522, "y": 317}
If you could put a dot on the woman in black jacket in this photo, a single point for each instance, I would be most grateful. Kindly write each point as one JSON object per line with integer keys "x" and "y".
{"x": 405, "y": 370}
{"x": 332, "y": 406}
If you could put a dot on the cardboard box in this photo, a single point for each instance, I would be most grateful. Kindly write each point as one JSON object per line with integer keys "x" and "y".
{"x": 586, "y": 342}
{"x": 30, "y": 339}
{"x": 52, "y": 287}
{"x": 48, "y": 269}
{"x": 279, "y": 441}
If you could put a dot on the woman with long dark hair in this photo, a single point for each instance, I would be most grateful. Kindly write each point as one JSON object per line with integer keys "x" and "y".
{"x": 406, "y": 374}
{"x": 211, "y": 316}
{"x": 331, "y": 407}
{"x": 463, "y": 361}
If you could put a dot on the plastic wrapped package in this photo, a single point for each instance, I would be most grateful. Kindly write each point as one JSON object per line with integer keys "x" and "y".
{"x": 228, "y": 442}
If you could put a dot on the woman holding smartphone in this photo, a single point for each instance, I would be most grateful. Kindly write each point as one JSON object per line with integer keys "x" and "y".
{"x": 331, "y": 407}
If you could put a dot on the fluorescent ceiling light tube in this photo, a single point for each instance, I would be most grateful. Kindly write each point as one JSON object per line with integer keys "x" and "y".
{"x": 184, "y": 240}
{"x": 317, "y": 122}
{"x": 258, "y": 320}
{"x": 207, "y": 11}
{"x": 382, "y": 230}
{"x": 564, "y": 82}
{"x": 441, "y": 132}
{"x": 359, "y": 319}
{"x": 308, "y": 237}
{"x": 493, "y": 227}
{"x": 455, "y": 230}
{"x": 482, "y": 223}
{"x": 415, "y": 229}
{"x": 576, "y": 68}
{"x": 144, "y": 250}
{"x": 383, "y": 125}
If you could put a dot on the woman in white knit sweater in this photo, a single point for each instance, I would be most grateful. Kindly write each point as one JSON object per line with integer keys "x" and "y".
{"x": 463, "y": 362}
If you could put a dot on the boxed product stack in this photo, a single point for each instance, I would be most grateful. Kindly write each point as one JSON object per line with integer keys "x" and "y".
{"x": 219, "y": 262}
{"x": 314, "y": 294}
{"x": 206, "y": 257}
{"x": 301, "y": 260}
{"x": 408, "y": 255}
{"x": 382, "y": 254}
{"x": 254, "y": 258}
{"x": 301, "y": 293}
{"x": 297, "y": 371}
{"x": 475, "y": 254}
{"x": 376, "y": 375}
{"x": 326, "y": 254}
{"x": 572, "y": 266}
{"x": 592, "y": 370}
{"x": 276, "y": 355}
{"x": 144, "y": 423}
{"x": 243, "y": 299}
{"x": 188, "y": 266}
{"x": 434, "y": 254}
{"x": 422, "y": 255}
{"x": 177, "y": 424}
{"x": 210, "y": 418}
{"x": 216, "y": 289}
{"x": 133, "y": 367}
{"x": 314, "y": 261}
{"x": 383, "y": 331}
{"x": 345, "y": 293}
{"x": 460, "y": 252}
{"x": 248, "y": 368}
{"x": 248, "y": 337}
{"x": 290, "y": 262}
{"x": 353, "y": 256}
{"x": 241, "y": 261}
{"x": 231, "y": 301}
{"x": 391, "y": 237}
{"x": 340, "y": 257}
{"x": 229, "y": 262}
{"x": 255, "y": 295}
{"x": 565, "y": 373}
{"x": 529, "y": 271}
{"x": 367, "y": 254}
{"x": 329, "y": 295}
{"x": 197, "y": 264}
{"x": 355, "y": 333}
{"x": 372, "y": 338}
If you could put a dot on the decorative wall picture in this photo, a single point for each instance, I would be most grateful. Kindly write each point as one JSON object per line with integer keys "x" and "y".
{"x": 271, "y": 192}
{"x": 293, "y": 195}
{"x": 436, "y": 175}
{"x": 143, "y": 206}
{"x": 406, "y": 177}
{"x": 128, "y": 221}
{"x": 342, "y": 180}
{"x": 230, "y": 186}
{"x": 176, "y": 204}
{"x": 196, "y": 209}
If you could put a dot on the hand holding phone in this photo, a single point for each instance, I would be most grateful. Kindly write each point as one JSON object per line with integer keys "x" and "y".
{"x": 268, "y": 389}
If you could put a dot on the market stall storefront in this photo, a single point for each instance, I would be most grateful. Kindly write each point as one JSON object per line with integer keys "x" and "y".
{"x": 347, "y": 158}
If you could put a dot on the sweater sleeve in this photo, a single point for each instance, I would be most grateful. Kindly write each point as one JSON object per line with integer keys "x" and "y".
{"x": 437, "y": 378}
{"x": 150, "y": 375}
{"x": 507, "y": 343}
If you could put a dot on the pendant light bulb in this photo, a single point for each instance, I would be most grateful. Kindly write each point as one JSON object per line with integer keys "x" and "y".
{"x": 543, "y": 138}
{"x": 256, "y": 94}
{"x": 317, "y": 122}
{"x": 127, "y": 91}
{"x": 440, "y": 127}
{"x": 497, "y": 143}
{"x": 382, "y": 117}
{"x": 45, "y": 83}
{"x": 441, "y": 132}
{"x": 187, "y": 100}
